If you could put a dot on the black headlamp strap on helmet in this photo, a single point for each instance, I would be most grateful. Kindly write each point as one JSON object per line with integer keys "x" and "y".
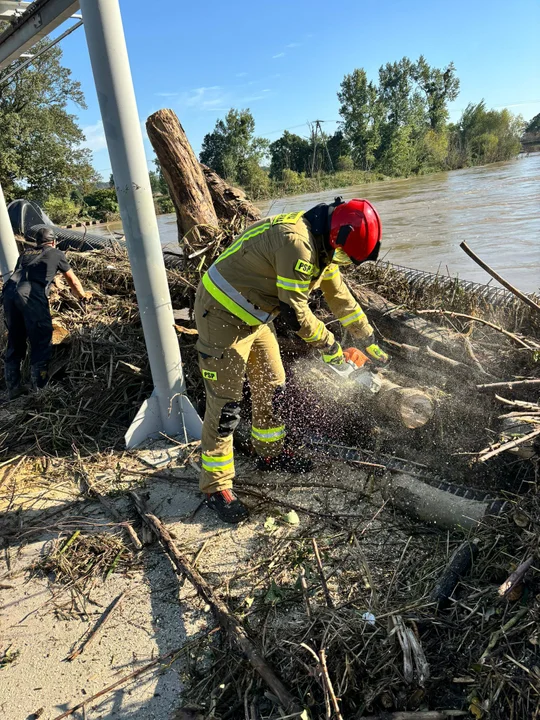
{"x": 343, "y": 233}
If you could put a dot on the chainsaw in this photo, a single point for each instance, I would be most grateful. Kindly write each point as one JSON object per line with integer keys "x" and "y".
{"x": 358, "y": 368}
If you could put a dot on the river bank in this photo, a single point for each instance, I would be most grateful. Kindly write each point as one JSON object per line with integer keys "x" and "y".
{"x": 494, "y": 208}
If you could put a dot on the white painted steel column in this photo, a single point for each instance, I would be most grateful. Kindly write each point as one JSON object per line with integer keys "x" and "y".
{"x": 8, "y": 246}
{"x": 168, "y": 409}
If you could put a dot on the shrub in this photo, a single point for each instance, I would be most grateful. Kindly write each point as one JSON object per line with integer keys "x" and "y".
{"x": 62, "y": 211}
{"x": 102, "y": 204}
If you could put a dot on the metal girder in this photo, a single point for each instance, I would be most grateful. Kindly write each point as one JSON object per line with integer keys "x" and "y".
{"x": 41, "y": 18}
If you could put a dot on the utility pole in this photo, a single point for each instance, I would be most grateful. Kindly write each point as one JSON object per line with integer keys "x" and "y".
{"x": 8, "y": 247}
{"x": 168, "y": 410}
{"x": 315, "y": 134}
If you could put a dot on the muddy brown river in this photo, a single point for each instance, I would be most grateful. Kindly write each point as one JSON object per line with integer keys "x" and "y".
{"x": 495, "y": 208}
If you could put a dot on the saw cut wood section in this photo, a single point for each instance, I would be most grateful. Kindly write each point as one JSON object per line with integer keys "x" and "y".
{"x": 411, "y": 406}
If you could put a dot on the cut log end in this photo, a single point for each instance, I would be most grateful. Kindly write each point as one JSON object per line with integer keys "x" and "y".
{"x": 412, "y": 407}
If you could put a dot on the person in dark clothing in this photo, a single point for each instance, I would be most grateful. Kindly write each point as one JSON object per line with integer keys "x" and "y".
{"x": 26, "y": 310}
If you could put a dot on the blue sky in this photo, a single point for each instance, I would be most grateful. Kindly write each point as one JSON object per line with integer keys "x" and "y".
{"x": 285, "y": 60}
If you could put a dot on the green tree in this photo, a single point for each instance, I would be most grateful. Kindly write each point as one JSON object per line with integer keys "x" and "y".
{"x": 289, "y": 152}
{"x": 340, "y": 149}
{"x": 232, "y": 149}
{"x": 361, "y": 114}
{"x": 40, "y": 141}
{"x": 483, "y": 136}
{"x": 534, "y": 125}
{"x": 439, "y": 87}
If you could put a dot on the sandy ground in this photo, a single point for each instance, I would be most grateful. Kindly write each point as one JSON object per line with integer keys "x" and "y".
{"x": 154, "y": 617}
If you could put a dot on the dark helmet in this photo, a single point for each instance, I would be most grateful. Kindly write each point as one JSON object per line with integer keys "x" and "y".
{"x": 45, "y": 236}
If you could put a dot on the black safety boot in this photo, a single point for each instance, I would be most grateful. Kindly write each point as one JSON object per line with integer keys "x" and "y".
{"x": 12, "y": 374}
{"x": 287, "y": 461}
{"x": 38, "y": 376}
{"x": 227, "y": 506}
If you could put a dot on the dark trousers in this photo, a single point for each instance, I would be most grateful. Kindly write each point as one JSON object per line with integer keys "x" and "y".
{"x": 27, "y": 317}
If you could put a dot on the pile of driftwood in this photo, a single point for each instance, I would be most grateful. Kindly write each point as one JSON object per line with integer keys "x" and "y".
{"x": 360, "y": 611}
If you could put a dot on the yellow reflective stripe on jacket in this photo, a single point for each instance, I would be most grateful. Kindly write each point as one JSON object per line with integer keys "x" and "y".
{"x": 228, "y": 303}
{"x": 237, "y": 244}
{"x": 330, "y": 273}
{"x": 317, "y": 334}
{"x": 287, "y": 218}
{"x": 292, "y": 284}
{"x": 268, "y": 435}
{"x": 217, "y": 463}
{"x": 358, "y": 314}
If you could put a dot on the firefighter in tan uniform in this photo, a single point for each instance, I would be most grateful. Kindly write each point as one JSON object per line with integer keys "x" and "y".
{"x": 270, "y": 269}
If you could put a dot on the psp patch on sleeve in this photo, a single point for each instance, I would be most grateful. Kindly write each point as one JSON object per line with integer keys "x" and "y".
{"x": 304, "y": 267}
{"x": 209, "y": 375}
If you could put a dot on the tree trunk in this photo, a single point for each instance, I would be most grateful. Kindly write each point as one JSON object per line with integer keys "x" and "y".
{"x": 184, "y": 176}
{"x": 230, "y": 203}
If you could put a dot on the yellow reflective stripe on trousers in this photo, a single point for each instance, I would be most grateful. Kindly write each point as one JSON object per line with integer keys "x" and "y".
{"x": 317, "y": 335}
{"x": 269, "y": 435}
{"x": 292, "y": 284}
{"x": 232, "y": 300}
{"x": 358, "y": 314}
{"x": 330, "y": 274}
{"x": 237, "y": 244}
{"x": 217, "y": 463}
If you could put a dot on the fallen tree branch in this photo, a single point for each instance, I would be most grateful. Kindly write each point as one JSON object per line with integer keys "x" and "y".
{"x": 329, "y": 685}
{"x": 227, "y": 620}
{"x": 488, "y": 454}
{"x": 452, "y": 314}
{"x": 448, "y": 361}
{"x": 518, "y": 403}
{"x": 510, "y": 385}
{"x": 496, "y": 276}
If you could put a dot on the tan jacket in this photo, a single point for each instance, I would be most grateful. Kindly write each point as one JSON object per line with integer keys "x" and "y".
{"x": 276, "y": 261}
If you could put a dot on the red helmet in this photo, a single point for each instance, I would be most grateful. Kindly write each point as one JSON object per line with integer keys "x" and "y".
{"x": 355, "y": 228}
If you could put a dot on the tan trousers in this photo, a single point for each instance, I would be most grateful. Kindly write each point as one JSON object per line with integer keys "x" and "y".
{"x": 229, "y": 349}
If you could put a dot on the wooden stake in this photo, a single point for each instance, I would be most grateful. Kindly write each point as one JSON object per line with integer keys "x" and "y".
{"x": 496, "y": 276}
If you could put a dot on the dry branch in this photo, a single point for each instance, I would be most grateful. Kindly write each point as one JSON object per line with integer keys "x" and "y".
{"x": 224, "y": 617}
{"x": 452, "y": 314}
{"x": 516, "y": 577}
{"x": 509, "y": 385}
{"x": 500, "y": 279}
{"x": 488, "y": 454}
{"x": 327, "y": 595}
